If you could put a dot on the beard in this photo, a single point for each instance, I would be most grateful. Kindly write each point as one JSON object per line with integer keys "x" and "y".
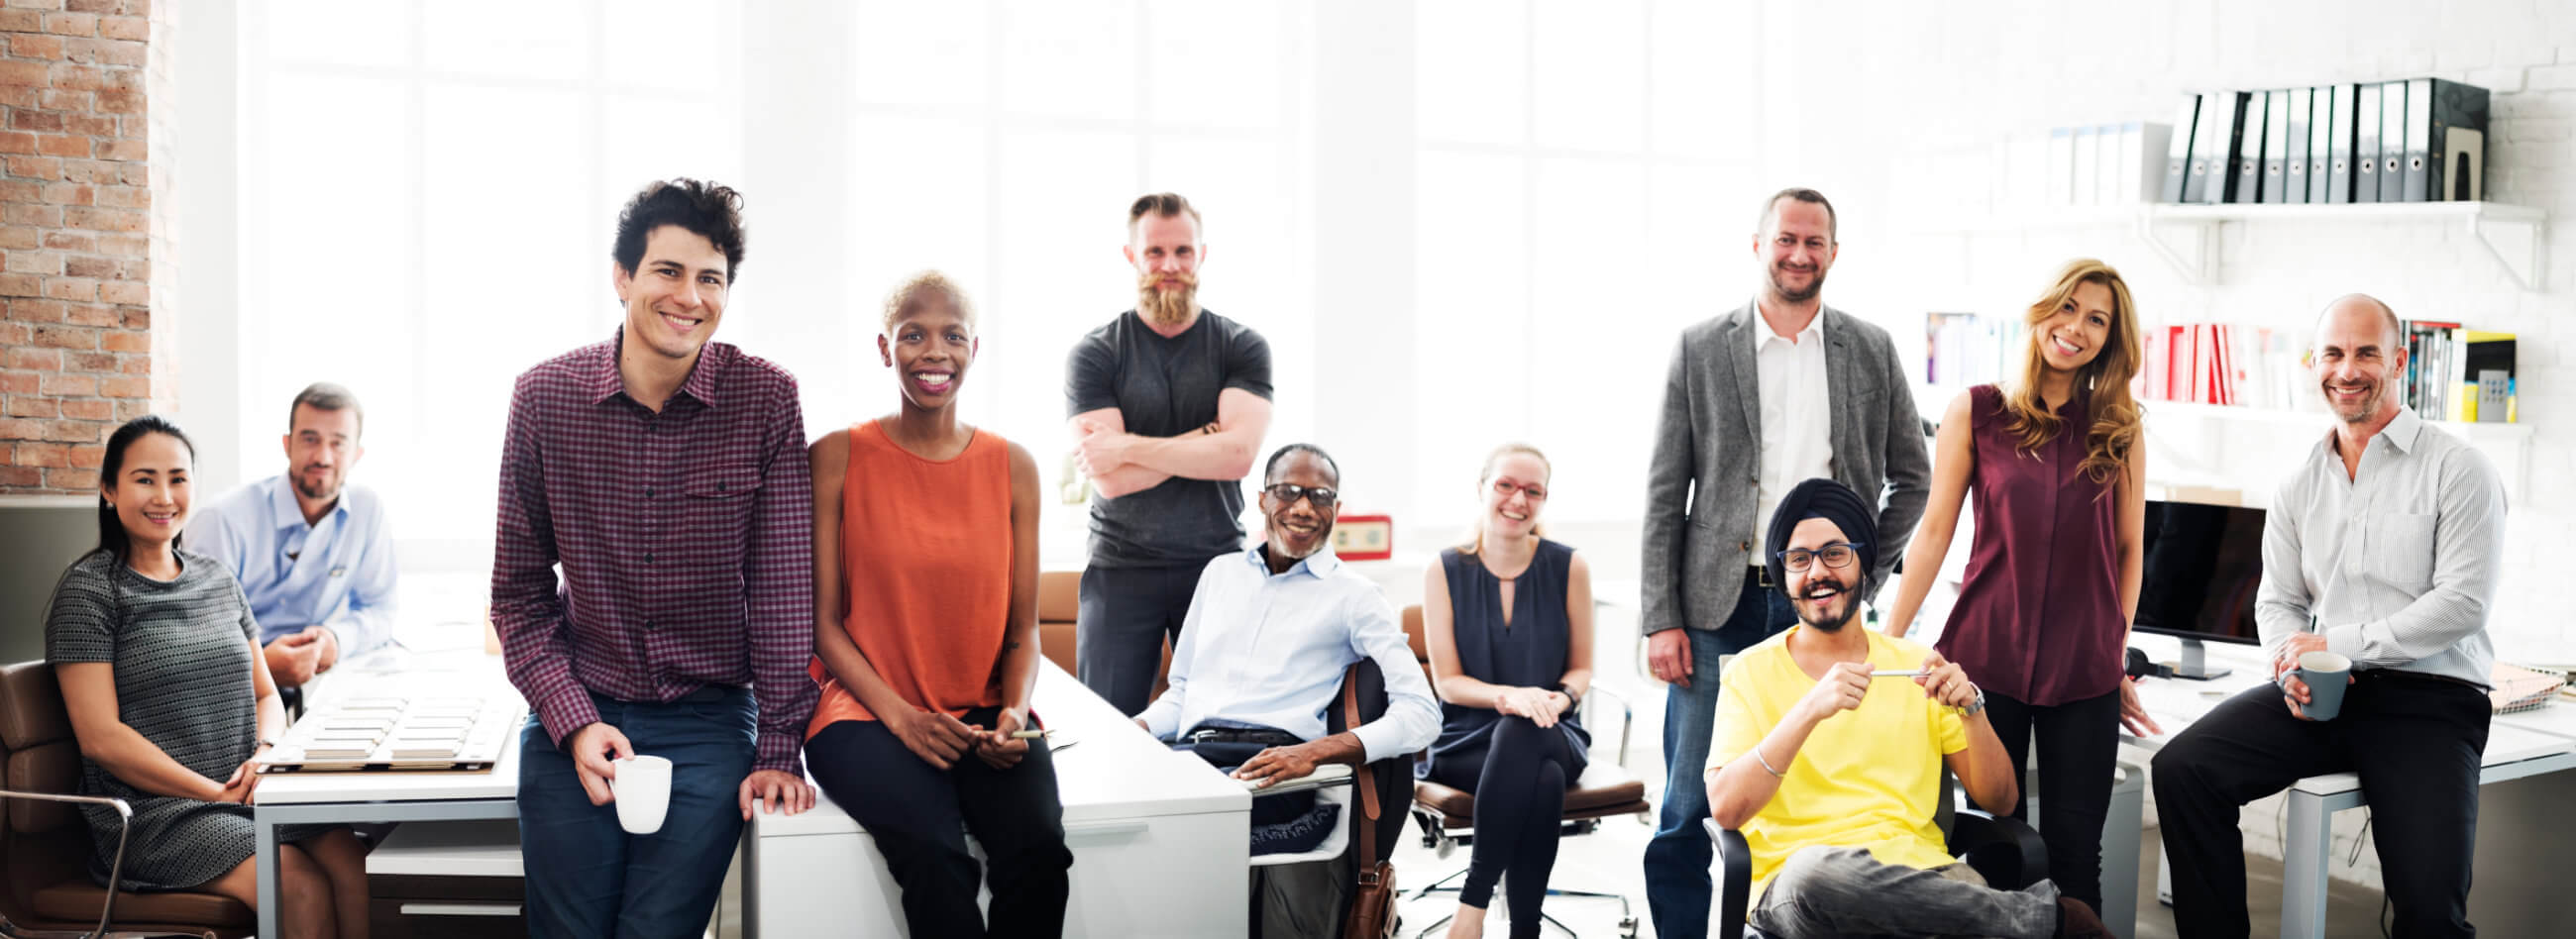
{"x": 1167, "y": 306}
{"x": 1832, "y": 622}
{"x": 329, "y": 487}
{"x": 2368, "y": 406}
{"x": 1280, "y": 547}
{"x": 1780, "y": 286}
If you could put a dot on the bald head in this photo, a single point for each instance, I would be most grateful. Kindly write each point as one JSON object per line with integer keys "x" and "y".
{"x": 2361, "y": 304}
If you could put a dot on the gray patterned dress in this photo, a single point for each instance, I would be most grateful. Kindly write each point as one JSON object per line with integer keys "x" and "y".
{"x": 182, "y": 655}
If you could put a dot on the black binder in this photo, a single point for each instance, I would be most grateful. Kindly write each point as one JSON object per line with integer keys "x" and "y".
{"x": 2321, "y": 139}
{"x": 2276, "y": 146}
{"x": 2392, "y": 141}
{"x": 2249, "y": 152}
{"x": 2435, "y": 107}
{"x": 2365, "y": 143}
{"x": 2178, "y": 157}
{"x": 2214, "y": 135}
{"x": 2294, "y": 164}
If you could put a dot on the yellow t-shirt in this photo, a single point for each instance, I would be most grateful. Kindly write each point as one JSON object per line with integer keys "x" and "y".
{"x": 1867, "y": 778}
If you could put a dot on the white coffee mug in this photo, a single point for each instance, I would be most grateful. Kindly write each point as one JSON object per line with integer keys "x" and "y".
{"x": 642, "y": 788}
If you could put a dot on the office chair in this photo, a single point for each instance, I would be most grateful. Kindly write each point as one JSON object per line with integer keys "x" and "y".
{"x": 45, "y": 845}
{"x": 1447, "y": 816}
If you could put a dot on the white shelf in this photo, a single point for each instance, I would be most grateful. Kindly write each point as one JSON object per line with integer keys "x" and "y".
{"x": 2317, "y": 419}
{"x": 2187, "y": 235}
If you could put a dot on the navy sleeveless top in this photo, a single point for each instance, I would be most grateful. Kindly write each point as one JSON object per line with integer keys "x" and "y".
{"x": 1530, "y": 652}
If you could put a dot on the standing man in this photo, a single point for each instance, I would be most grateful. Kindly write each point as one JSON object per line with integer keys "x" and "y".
{"x": 1782, "y": 390}
{"x": 312, "y": 552}
{"x": 2382, "y": 548}
{"x": 667, "y": 476}
{"x": 1168, "y": 404}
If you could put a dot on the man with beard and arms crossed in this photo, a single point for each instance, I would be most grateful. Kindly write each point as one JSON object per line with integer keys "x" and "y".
{"x": 2382, "y": 547}
{"x": 1169, "y": 402}
{"x": 667, "y": 475}
{"x": 1781, "y": 390}
{"x": 312, "y": 551}
{"x": 1834, "y": 777}
{"x": 1271, "y": 630}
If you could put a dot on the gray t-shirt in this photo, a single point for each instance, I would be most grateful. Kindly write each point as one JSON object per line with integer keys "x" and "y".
{"x": 1166, "y": 388}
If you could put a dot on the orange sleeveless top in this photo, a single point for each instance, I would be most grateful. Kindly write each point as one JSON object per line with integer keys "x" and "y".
{"x": 926, "y": 571}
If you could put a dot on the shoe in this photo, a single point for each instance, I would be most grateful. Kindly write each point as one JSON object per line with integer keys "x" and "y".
{"x": 2077, "y": 921}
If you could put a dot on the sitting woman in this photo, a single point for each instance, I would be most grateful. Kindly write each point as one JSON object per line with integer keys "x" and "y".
{"x": 926, "y": 585}
{"x": 161, "y": 671}
{"x": 1508, "y": 617}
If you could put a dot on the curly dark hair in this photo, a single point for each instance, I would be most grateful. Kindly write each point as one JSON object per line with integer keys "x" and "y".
{"x": 709, "y": 210}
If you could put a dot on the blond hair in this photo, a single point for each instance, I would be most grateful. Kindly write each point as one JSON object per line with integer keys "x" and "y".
{"x": 2109, "y": 441}
{"x": 922, "y": 288}
{"x": 1476, "y": 536}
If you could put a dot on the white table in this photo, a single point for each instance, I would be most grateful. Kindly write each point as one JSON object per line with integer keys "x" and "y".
{"x": 346, "y": 797}
{"x": 1160, "y": 840}
{"x": 2518, "y": 745}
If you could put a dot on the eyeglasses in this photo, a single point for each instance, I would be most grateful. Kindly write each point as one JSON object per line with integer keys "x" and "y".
{"x": 1840, "y": 554}
{"x": 1288, "y": 493}
{"x": 1505, "y": 488}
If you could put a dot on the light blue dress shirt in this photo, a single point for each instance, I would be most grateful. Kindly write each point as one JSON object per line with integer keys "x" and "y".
{"x": 337, "y": 572}
{"x": 1270, "y": 649}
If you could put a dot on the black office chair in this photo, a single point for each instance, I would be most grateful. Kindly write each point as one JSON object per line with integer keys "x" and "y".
{"x": 2002, "y": 849}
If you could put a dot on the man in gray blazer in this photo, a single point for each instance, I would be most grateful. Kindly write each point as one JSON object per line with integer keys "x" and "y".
{"x": 1779, "y": 391}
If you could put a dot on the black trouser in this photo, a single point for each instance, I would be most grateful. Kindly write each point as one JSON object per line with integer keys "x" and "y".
{"x": 1127, "y": 614}
{"x": 2079, "y": 743}
{"x": 1519, "y": 784}
{"x": 2414, "y": 740}
{"x": 914, "y": 811}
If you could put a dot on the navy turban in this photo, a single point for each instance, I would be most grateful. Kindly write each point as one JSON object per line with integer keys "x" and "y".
{"x": 1833, "y": 502}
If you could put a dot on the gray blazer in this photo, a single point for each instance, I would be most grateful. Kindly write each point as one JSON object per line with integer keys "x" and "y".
{"x": 1702, "y": 483}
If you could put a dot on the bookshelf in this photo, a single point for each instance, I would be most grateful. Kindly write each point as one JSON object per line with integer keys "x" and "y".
{"x": 2186, "y": 236}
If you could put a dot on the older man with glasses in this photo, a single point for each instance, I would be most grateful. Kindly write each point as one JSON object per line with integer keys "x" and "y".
{"x": 1269, "y": 634}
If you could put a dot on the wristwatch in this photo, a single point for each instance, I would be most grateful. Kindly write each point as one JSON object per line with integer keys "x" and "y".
{"x": 1571, "y": 699}
{"x": 1974, "y": 706}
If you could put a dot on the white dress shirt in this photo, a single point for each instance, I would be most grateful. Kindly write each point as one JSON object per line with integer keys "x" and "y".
{"x": 2395, "y": 564}
{"x": 1270, "y": 649}
{"x": 1797, "y": 426}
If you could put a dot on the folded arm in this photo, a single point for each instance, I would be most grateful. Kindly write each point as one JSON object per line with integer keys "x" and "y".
{"x": 1120, "y": 462}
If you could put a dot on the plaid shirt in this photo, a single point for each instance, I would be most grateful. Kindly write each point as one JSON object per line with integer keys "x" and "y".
{"x": 686, "y": 540}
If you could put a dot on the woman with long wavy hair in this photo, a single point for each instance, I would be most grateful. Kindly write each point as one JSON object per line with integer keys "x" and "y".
{"x": 2054, "y": 461}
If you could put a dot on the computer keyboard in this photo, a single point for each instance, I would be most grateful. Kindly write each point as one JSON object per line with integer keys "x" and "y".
{"x": 423, "y": 732}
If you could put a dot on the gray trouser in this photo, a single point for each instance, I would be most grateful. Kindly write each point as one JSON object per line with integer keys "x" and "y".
{"x": 1829, "y": 891}
{"x": 1302, "y": 900}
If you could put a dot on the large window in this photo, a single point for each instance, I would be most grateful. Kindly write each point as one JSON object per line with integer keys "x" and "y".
{"x": 428, "y": 197}
{"x": 1586, "y": 187}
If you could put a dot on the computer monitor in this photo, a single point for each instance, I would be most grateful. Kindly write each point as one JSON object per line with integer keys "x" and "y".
{"x": 2203, "y": 566}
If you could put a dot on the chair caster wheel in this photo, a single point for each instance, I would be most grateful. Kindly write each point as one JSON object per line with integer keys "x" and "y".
{"x": 1628, "y": 928}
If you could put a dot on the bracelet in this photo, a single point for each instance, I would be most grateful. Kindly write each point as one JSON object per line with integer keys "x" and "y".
{"x": 1766, "y": 763}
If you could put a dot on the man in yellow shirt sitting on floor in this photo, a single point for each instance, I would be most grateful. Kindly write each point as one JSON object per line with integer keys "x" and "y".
{"x": 1833, "y": 777}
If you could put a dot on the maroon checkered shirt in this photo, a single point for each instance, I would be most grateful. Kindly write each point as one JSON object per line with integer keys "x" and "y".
{"x": 686, "y": 540}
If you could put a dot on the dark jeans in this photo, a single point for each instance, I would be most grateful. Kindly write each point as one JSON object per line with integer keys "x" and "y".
{"x": 1127, "y": 614}
{"x": 1519, "y": 782}
{"x": 920, "y": 816}
{"x": 585, "y": 875}
{"x": 2415, "y": 741}
{"x": 1821, "y": 890}
{"x": 2079, "y": 744}
{"x": 1677, "y": 884}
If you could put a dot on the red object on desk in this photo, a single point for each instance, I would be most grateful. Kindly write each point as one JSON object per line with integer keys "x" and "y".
{"x": 1364, "y": 537}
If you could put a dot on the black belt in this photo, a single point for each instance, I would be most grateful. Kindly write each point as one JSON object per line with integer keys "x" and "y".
{"x": 1265, "y": 737}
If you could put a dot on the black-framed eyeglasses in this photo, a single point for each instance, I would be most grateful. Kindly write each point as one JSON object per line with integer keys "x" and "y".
{"x": 1288, "y": 493}
{"x": 1838, "y": 555}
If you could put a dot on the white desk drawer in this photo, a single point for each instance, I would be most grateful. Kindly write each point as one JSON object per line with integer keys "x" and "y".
{"x": 1177, "y": 876}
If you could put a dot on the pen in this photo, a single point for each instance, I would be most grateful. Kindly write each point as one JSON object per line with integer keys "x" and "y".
{"x": 1030, "y": 734}
{"x": 1908, "y": 673}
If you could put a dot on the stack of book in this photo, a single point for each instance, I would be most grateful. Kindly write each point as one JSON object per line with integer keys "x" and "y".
{"x": 1963, "y": 350}
{"x": 2458, "y": 374}
{"x": 2219, "y": 363}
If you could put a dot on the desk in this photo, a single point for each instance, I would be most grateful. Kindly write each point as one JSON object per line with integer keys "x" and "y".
{"x": 1160, "y": 842}
{"x": 296, "y": 798}
{"x": 2518, "y": 745}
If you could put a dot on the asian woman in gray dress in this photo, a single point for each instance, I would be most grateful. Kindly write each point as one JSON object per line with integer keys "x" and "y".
{"x": 160, "y": 668}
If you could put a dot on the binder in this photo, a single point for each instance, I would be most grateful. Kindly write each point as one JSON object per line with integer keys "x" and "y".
{"x": 2294, "y": 163}
{"x": 2392, "y": 141}
{"x": 2178, "y": 150}
{"x": 2249, "y": 152}
{"x": 2119, "y": 164}
{"x": 2139, "y": 178}
{"x": 2213, "y": 140}
{"x": 2365, "y": 143}
{"x": 2464, "y": 160}
{"x": 2088, "y": 166}
{"x": 2061, "y": 166}
{"x": 2435, "y": 108}
{"x": 2321, "y": 139}
{"x": 2276, "y": 145}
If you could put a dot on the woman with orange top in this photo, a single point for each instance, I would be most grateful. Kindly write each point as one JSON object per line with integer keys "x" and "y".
{"x": 926, "y": 584}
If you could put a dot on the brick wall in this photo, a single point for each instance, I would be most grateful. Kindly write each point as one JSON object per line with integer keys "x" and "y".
{"x": 75, "y": 215}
